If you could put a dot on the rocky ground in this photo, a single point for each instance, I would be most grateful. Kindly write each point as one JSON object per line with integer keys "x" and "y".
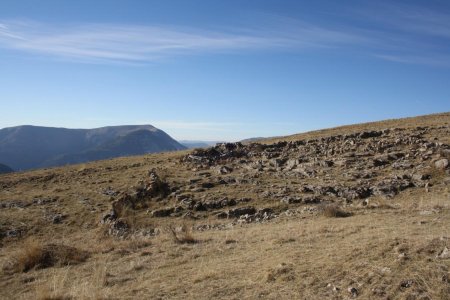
{"x": 359, "y": 211}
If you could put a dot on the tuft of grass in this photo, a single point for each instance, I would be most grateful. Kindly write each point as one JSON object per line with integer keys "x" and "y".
{"x": 53, "y": 289}
{"x": 334, "y": 211}
{"x": 206, "y": 276}
{"x": 35, "y": 254}
{"x": 31, "y": 254}
{"x": 61, "y": 287}
{"x": 183, "y": 235}
{"x": 283, "y": 271}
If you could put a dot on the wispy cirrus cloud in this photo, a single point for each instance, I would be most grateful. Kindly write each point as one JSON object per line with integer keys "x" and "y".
{"x": 435, "y": 60}
{"x": 409, "y": 34}
{"x": 420, "y": 21}
{"x": 139, "y": 43}
{"x": 397, "y": 33}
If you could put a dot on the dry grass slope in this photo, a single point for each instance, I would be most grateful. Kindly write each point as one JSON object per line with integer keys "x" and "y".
{"x": 363, "y": 216}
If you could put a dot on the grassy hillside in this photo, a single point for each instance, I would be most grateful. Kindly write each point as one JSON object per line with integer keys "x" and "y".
{"x": 361, "y": 211}
{"x": 440, "y": 119}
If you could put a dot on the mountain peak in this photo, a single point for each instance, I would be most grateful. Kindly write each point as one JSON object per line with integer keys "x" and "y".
{"x": 28, "y": 146}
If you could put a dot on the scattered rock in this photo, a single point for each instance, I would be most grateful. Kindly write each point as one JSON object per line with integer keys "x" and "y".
{"x": 12, "y": 233}
{"x": 109, "y": 217}
{"x": 237, "y": 212}
{"x": 333, "y": 287}
{"x": 43, "y": 201}
{"x": 153, "y": 187}
{"x": 445, "y": 253}
{"x": 291, "y": 200}
{"x": 207, "y": 185}
{"x": 421, "y": 177}
{"x": 163, "y": 212}
{"x": 403, "y": 256}
{"x": 109, "y": 192}
{"x": 58, "y": 218}
{"x": 353, "y": 291}
{"x": 118, "y": 228}
{"x": 199, "y": 206}
{"x": 370, "y": 134}
{"x": 406, "y": 283}
{"x": 222, "y": 215}
{"x": 441, "y": 164}
{"x": 225, "y": 170}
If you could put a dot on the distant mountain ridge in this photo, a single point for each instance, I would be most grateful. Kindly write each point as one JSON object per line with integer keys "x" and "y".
{"x": 28, "y": 147}
{"x": 5, "y": 169}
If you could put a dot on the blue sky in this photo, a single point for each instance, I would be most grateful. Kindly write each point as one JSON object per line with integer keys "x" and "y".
{"x": 222, "y": 70}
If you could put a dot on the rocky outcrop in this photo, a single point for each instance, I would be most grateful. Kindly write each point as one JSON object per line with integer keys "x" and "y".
{"x": 293, "y": 178}
{"x": 152, "y": 188}
{"x": 379, "y": 163}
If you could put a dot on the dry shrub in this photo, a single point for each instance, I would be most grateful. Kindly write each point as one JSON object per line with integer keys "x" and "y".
{"x": 34, "y": 254}
{"x": 183, "y": 235}
{"x": 230, "y": 241}
{"x": 30, "y": 255}
{"x": 334, "y": 211}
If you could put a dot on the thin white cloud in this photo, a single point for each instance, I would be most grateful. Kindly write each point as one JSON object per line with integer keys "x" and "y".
{"x": 396, "y": 33}
{"x": 408, "y": 34}
{"x": 133, "y": 43}
{"x": 436, "y": 61}
{"x": 418, "y": 20}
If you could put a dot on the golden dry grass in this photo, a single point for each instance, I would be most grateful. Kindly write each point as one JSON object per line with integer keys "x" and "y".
{"x": 287, "y": 259}
{"x": 439, "y": 119}
{"x": 334, "y": 211}
{"x": 386, "y": 248}
{"x": 34, "y": 254}
{"x": 183, "y": 235}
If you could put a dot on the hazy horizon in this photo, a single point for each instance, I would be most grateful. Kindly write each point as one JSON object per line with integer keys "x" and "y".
{"x": 181, "y": 140}
{"x": 222, "y": 70}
